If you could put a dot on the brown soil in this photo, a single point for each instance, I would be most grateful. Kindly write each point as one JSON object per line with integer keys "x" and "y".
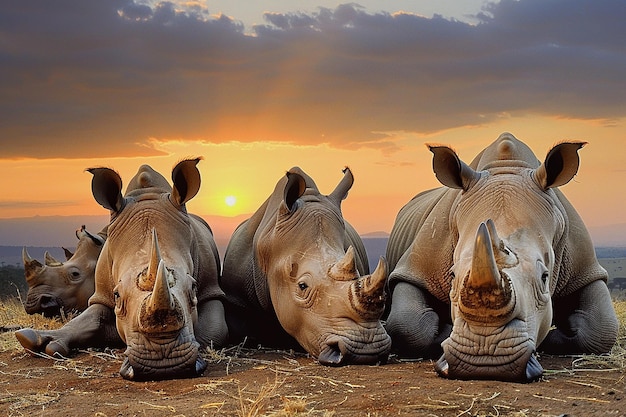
{"x": 263, "y": 382}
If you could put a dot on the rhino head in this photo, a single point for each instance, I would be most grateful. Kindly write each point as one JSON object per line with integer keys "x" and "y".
{"x": 509, "y": 223}
{"x": 56, "y": 286}
{"x": 316, "y": 283}
{"x": 146, "y": 270}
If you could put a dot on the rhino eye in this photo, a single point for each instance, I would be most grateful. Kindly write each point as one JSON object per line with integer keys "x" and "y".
{"x": 544, "y": 276}
{"x": 303, "y": 286}
{"x": 75, "y": 274}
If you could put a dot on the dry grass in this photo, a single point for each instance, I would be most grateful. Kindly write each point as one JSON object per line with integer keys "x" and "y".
{"x": 13, "y": 317}
{"x": 266, "y": 399}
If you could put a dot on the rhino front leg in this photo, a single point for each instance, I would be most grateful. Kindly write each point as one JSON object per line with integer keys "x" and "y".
{"x": 415, "y": 327}
{"x": 585, "y": 322}
{"x": 211, "y": 329}
{"x": 95, "y": 327}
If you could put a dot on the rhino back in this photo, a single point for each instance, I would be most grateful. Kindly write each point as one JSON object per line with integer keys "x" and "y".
{"x": 421, "y": 246}
{"x": 206, "y": 260}
{"x": 244, "y": 283}
{"x": 575, "y": 254}
{"x": 249, "y": 310}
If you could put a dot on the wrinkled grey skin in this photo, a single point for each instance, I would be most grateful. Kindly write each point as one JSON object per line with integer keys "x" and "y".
{"x": 63, "y": 286}
{"x": 156, "y": 280}
{"x": 484, "y": 266}
{"x": 297, "y": 270}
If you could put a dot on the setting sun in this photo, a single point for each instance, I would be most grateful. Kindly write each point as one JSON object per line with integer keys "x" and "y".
{"x": 230, "y": 201}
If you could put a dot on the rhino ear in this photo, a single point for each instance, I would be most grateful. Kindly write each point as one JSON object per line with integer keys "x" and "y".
{"x": 295, "y": 187}
{"x": 186, "y": 178}
{"x": 450, "y": 170}
{"x": 106, "y": 186}
{"x": 341, "y": 191}
{"x": 560, "y": 165}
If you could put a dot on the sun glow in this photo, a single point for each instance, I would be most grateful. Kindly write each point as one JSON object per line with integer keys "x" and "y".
{"x": 230, "y": 200}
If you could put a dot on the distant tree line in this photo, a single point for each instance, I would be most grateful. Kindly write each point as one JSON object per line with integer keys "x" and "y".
{"x": 12, "y": 281}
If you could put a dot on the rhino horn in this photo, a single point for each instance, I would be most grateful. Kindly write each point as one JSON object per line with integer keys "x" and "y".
{"x": 367, "y": 294}
{"x": 496, "y": 243}
{"x": 50, "y": 261}
{"x": 341, "y": 191}
{"x": 68, "y": 253}
{"x": 147, "y": 280}
{"x": 484, "y": 273}
{"x": 160, "y": 312}
{"x": 161, "y": 298}
{"x": 345, "y": 269}
{"x": 32, "y": 266}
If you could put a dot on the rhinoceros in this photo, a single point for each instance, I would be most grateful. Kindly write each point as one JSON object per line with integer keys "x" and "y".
{"x": 296, "y": 275}
{"x": 63, "y": 286}
{"x": 483, "y": 267}
{"x": 157, "y": 284}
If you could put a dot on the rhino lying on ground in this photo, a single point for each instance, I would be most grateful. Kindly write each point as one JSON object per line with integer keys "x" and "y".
{"x": 483, "y": 266}
{"x": 67, "y": 285}
{"x": 156, "y": 280}
{"x": 296, "y": 269}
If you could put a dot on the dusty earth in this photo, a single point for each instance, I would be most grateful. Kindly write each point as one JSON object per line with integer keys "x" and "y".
{"x": 244, "y": 382}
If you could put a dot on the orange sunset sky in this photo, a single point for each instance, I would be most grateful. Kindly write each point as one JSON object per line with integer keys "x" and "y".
{"x": 320, "y": 85}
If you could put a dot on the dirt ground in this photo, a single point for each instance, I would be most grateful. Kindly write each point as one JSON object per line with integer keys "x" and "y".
{"x": 263, "y": 382}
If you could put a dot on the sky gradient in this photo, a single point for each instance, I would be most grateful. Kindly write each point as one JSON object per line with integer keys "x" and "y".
{"x": 120, "y": 83}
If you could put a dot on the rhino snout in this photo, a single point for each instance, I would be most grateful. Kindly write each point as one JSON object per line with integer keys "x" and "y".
{"x": 338, "y": 351}
{"x": 128, "y": 371}
{"x": 47, "y": 304}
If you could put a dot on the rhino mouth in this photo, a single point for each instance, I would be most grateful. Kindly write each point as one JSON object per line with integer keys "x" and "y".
{"x": 338, "y": 350}
{"x": 161, "y": 358}
{"x": 504, "y": 353}
{"x": 48, "y": 305}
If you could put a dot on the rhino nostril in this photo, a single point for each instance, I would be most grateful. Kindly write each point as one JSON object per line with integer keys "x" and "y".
{"x": 331, "y": 355}
{"x": 48, "y": 301}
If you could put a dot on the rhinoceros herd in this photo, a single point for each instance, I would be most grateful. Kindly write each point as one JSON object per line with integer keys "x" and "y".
{"x": 481, "y": 273}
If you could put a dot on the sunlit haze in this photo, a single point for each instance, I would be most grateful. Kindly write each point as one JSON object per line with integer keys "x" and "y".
{"x": 255, "y": 91}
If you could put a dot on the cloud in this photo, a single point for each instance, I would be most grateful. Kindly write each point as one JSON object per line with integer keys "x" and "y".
{"x": 87, "y": 78}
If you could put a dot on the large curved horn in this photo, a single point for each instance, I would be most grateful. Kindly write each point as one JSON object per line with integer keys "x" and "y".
{"x": 484, "y": 273}
{"x": 146, "y": 281}
{"x": 341, "y": 191}
{"x": 367, "y": 294}
{"x": 32, "y": 266}
{"x": 160, "y": 312}
{"x": 161, "y": 298}
{"x": 485, "y": 295}
{"x": 50, "y": 261}
{"x": 345, "y": 269}
{"x": 496, "y": 242}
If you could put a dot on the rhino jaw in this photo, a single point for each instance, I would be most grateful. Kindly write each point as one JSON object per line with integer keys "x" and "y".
{"x": 340, "y": 350}
{"x": 505, "y": 353}
{"x": 532, "y": 372}
{"x": 152, "y": 359}
{"x": 127, "y": 371}
{"x": 47, "y": 304}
